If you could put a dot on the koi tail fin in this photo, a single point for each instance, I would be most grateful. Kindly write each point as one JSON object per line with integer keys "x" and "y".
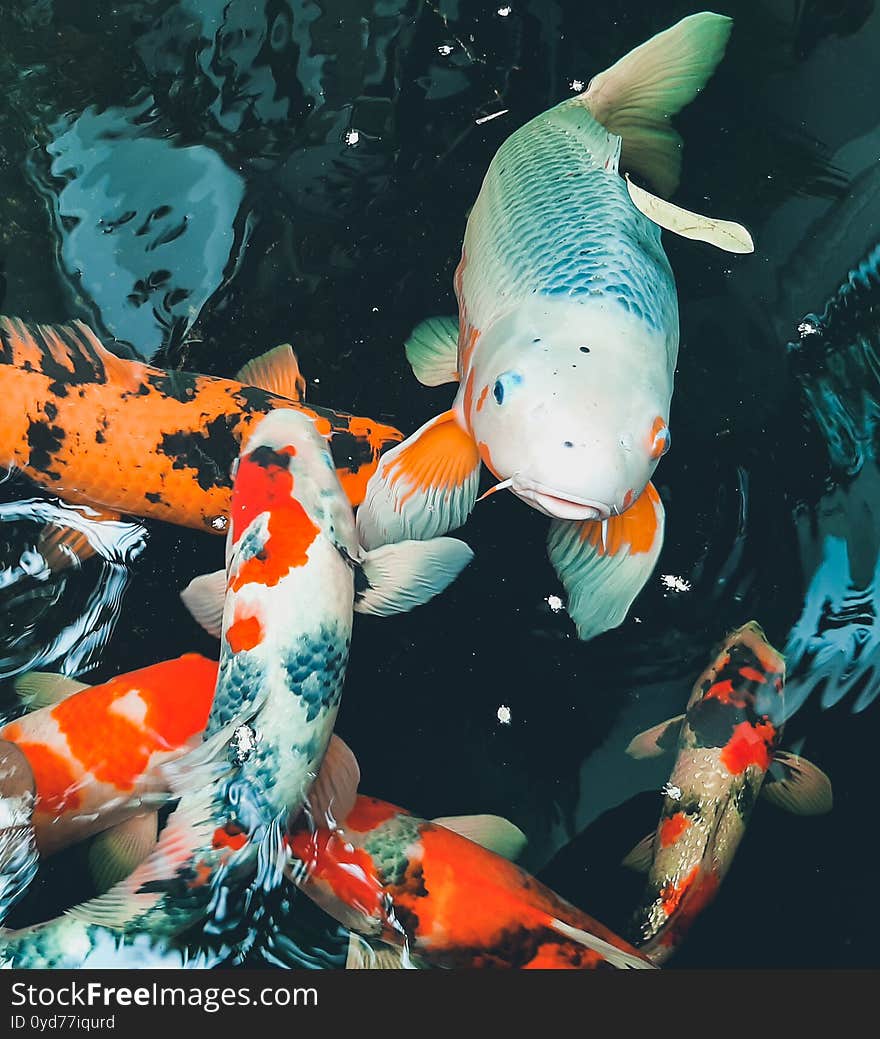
{"x": 638, "y": 95}
{"x": 604, "y": 565}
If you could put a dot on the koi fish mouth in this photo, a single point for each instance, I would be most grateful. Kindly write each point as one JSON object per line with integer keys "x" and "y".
{"x": 559, "y": 506}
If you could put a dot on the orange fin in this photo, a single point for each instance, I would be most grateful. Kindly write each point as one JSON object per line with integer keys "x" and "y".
{"x": 604, "y": 566}
{"x": 804, "y": 790}
{"x": 276, "y": 371}
{"x": 63, "y": 547}
{"x": 657, "y": 740}
{"x": 335, "y": 789}
{"x": 423, "y": 487}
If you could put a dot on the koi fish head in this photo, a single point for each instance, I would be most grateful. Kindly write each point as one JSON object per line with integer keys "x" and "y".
{"x": 286, "y": 469}
{"x": 566, "y": 402}
{"x": 739, "y": 698}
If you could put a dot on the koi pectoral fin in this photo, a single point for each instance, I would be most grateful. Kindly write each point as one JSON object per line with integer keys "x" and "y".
{"x": 424, "y": 487}
{"x": 335, "y": 789}
{"x": 657, "y": 740}
{"x": 493, "y": 832}
{"x": 640, "y": 857}
{"x": 604, "y": 566}
{"x": 39, "y": 689}
{"x": 432, "y": 351}
{"x": 797, "y": 785}
{"x": 205, "y": 597}
{"x": 400, "y": 577}
{"x": 116, "y": 852}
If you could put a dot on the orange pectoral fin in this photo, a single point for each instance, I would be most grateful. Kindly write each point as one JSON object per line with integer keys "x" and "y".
{"x": 423, "y": 488}
{"x": 604, "y": 566}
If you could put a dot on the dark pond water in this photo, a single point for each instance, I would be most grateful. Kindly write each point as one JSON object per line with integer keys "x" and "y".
{"x": 302, "y": 172}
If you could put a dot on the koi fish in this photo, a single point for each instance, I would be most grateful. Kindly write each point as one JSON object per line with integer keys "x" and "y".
{"x": 124, "y": 437}
{"x": 567, "y": 333}
{"x": 444, "y": 899}
{"x": 95, "y": 751}
{"x": 728, "y": 754}
{"x": 290, "y": 591}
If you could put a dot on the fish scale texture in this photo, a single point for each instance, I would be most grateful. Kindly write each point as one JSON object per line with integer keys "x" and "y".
{"x": 552, "y": 219}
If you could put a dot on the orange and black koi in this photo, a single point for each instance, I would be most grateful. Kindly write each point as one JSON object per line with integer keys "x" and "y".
{"x": 449, "y": 902}
{"x": 125, "y": 437}
{"x": 728, "y": 753}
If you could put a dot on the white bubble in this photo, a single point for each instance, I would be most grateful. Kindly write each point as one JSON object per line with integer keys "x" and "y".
{"x": 554, "y": 602}
{"x": 504, "y": 714}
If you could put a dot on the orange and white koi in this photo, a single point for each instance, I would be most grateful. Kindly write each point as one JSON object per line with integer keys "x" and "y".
{"x": 444, "y": 899}
{"x": 728, "y": 754}
{"x": 95, "y": 751}
{"x": 292, "y": 558}
{"x": 567, "y": 333}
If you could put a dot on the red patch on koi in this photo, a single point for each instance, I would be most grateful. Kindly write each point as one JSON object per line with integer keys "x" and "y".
{"x": 749, "y": 745}
{"x": 229, "y": 836}
{"x": 724, "y": 692}
{"x": 672, "y": 893}
{"x": 481, "y": 400}
{"x": 348, "y": 871}
{"x": 117, "y": 749}
{"x": 269, "y": 488}
{"x": 563, "y": 956}
{"x": 369, "y": 813}
{"x": 752, "y": 675}
{"x": 672, "y": 828}
{"x": 54, "y": 777}
{"x": 244, "y": 633}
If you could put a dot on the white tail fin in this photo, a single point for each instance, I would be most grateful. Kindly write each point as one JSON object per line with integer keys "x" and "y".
{"x": 638, "y": 95}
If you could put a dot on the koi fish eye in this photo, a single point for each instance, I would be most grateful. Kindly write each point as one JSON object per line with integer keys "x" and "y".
{"x": 503, "y": 384}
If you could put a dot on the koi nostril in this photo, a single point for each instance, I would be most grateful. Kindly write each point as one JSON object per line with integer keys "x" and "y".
{"x": 567, "y": 443}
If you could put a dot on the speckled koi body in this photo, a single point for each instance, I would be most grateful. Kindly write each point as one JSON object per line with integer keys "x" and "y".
{"x": 123, "y": 436}
{"x": 726, "y": 743}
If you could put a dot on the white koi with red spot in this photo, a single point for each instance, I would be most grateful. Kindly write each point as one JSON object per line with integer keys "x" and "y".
{"x": 288, "y": 596}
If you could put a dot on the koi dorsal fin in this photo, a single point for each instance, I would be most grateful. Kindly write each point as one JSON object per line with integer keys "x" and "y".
{"x": 71, "y": 355}
{"x": 276, "y": 371}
